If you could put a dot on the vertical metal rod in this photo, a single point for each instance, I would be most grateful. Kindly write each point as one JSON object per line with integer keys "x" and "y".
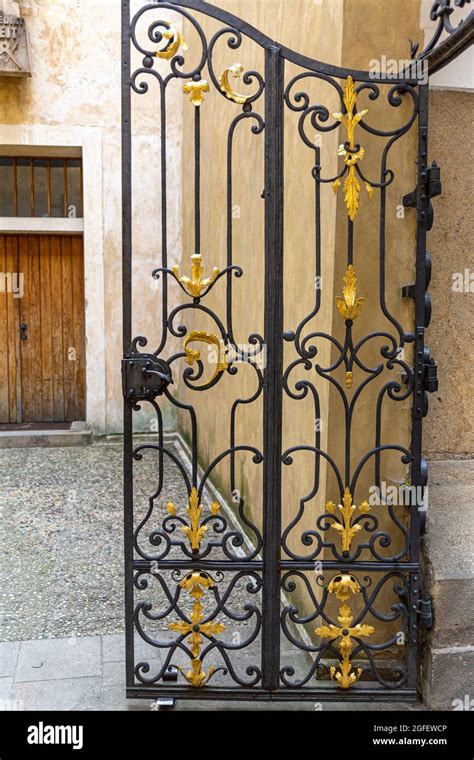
{"x": 418, "y": 476}
{"x": 197, "y": 179}
{"x": 273, "y": 330}
{"x": 127, "y": 335}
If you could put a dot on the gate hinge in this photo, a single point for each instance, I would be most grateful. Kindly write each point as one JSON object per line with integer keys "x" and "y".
{"x": 430, "y": 187}
{"x": 425, "y": 612}
{"x": 430, "y": 374}
{"x": 144, "y": 376}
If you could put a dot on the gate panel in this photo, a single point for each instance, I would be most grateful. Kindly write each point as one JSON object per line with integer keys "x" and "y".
{"x": 316, "y": 593}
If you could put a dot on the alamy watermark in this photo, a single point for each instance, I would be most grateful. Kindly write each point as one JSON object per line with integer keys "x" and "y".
{"x": 12, "y": 282}
{"x": 399, "y": 68}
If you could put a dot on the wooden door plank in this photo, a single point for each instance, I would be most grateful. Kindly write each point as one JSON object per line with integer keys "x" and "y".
{"x": 69, "y": 349}
{"x": 79, "y": 326}
{"x": 14, "y": 308}
{"x": 27, "y": 409}
{"x": 57, "y": 328}
{"x": 46, "y": 329}
{"x": 4, "y": 336}
{"x": 33, "y": 343}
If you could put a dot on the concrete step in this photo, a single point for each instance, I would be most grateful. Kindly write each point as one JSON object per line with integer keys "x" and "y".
{"x": 27, "y": 436}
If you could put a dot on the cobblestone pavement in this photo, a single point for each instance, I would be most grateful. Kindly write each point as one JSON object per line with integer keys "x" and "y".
{"x": 61, "y": 539}
{"x": 62, "y": 580}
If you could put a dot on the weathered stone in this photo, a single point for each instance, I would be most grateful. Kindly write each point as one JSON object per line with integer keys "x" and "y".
{"x": 14, "y": 45}
{"x": 448, "y": 679}
{"x": 448, "y": 551}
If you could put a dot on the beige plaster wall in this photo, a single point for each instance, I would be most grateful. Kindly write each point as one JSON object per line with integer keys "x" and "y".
{"x": 72, "y": 99}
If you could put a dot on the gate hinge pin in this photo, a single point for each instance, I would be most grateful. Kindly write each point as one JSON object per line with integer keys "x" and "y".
{"x": 430, "y": 376}
{"x": 425, "y": 612}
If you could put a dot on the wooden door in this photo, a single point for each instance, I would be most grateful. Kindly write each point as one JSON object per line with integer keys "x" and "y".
{"x": 42, "y": 344}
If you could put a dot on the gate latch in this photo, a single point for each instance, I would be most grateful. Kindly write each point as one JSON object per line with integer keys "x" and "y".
{"x": 425, "y": 613}
{"x": 144, "y": 376}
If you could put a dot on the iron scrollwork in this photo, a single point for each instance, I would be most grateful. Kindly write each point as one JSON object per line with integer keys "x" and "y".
{"x": 198, "y": 569}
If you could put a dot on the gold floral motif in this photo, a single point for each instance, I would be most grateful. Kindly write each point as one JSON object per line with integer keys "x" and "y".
{"x": 175, "y": 42}
{"x": 196, "y": 91}
{"x": 345, "y": 528}
{"x": 197, "y": 583}
{"x": 352, "y": 156}
{"x": 349, "y": 380}
{"x": 349, "y": 305}
{"x": 342, "y": 586}
{"x": 194, "y": 532}
{"x": 195, "y": 284}
{"x": 236, "y": 70}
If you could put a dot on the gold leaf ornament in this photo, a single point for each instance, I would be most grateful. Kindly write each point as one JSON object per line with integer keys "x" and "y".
{"x": 345, "y": 528}
{"x": 195, "y": 284}
{"x": 236, "y": 71}
{"x": 350, "y": 304}
{"x": 193, "y": 354}
{"x": 194, "y": 531}
{"x": 175, "y": 41}
{"x": 196, "y": 91}
{"x": 350, "y": 120}
{"x": 196, "y": 584}
{"x": 345, "y": 676}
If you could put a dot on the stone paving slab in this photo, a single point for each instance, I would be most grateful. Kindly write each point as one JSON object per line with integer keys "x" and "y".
{"x": 84, "y": 677}
{"x": 8, "y": 657}
{"x": 63, "y": 694}
{"x": 42, "y": 660}
{"x": 5, "y": 688}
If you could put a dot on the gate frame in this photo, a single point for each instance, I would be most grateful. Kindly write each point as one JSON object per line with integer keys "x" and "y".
{"x": 437, "y": 55}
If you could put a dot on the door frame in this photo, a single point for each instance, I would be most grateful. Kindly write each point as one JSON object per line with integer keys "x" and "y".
{"x": 87, "y": 142}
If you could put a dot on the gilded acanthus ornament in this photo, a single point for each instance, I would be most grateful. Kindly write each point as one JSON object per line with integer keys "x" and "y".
{"x": 236, "y": 70}
{"x": 350, "y": 305}
{"x": 175, "y": 41}
{"x": 196, "y": 91}
{"x": 346, "y": 529}
{"x": 195, "y": 284}
{"x": 350, "y": 154}
{"x": 344, "y": 676}
{"x": 197, "y": 583}
{"x": 193, "y": 354}
{"x": 194, "y": 531}
{"x": 342, "y": 586}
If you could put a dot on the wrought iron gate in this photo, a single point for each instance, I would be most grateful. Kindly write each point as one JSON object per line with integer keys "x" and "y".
{"x": 335, "y": 612}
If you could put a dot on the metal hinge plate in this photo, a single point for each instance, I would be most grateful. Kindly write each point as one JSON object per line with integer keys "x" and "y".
{"x": 144, "y": 376}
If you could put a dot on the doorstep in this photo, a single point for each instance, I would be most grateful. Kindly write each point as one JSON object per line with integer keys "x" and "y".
{"x": 44, "y": 435}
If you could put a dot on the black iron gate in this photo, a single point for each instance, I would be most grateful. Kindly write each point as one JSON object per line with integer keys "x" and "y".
{"x": 336, "y": 613}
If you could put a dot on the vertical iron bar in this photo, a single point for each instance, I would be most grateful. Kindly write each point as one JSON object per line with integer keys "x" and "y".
{"x": 273, "y": 330}
{"x": 418, "y": 465}
{"x": 127, "y": 335}
{"x": 197, "y": 179}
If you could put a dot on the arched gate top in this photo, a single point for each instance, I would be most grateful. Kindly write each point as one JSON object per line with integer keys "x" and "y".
{"x": 438, "y": 54}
